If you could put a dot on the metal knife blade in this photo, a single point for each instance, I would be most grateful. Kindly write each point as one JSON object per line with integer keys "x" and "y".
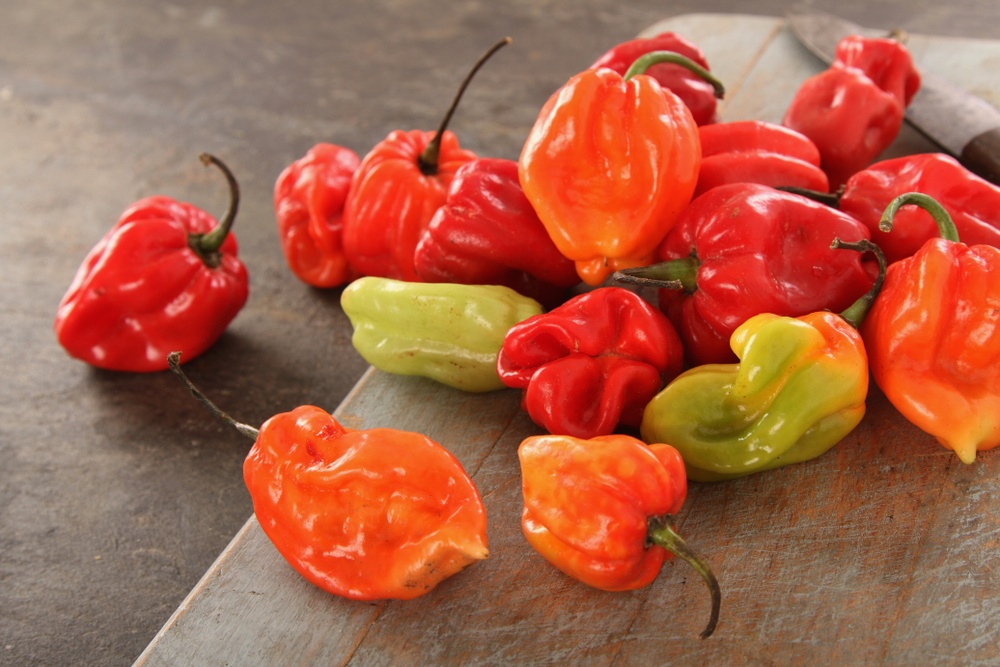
{"x": 962, "y": 124}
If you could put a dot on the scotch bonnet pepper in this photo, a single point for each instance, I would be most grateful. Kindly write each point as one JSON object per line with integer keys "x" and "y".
{"x": 602, "y": 510}
{"x": 591, "y": 363}
{"x": 364, "y": 514}
{"x": 743, "y": 249}
{"x": 697, "y": 94}
{"x": 487, "y": 233}
{"x": 933, "y": 336}
{"x": 854, "y": 109}
{"x": 450, "y": 333}
{"x": 609, "y": 164}
{"x": 309, "y": 198}
{"x": 165, "y": 277}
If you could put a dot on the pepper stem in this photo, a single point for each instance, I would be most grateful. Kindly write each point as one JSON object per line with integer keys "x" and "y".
{"x": 946, "y": 226}
{"x": 647, "y": 60}
{"x": 855, "y": 313}
{"x": 676, "y": 274}
{"x": 207, "y": 245}
{"x": 661, "y": 532}
{"x": 831, "y": 199}
{"x": 174, "y": 361}
{"x": 428, "y": 160}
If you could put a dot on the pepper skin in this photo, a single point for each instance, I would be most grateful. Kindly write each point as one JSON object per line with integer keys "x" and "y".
{"x": 309, "y": 198}
{"x": 744, "y": 249}
{"x": 364, "y": 514}
{"x": 974, "y": 203}
{"x": 933, "y": 336}
{"x": 697, "y": 94}
{"x": 799, "y": 388}
{"x": 753, "y": 151}
{"x": 609, "y": 165}
{"x": 854, "y": 109}
{"x": 591, "y": 363}
{"x": 601, "y": 510}
{"x": 447, "y": 332}
{"x": 165, "y": 277}
{"x": 487, "y": 233}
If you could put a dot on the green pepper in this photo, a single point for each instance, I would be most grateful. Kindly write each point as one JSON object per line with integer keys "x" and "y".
{"x": 799, "y": 388}
{"x": 447, "y": 332}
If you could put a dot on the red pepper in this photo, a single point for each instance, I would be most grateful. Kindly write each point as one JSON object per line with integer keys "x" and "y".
{"x": 974, "y": 203}
{"x": 365, "y": 514}
{"x": 696, "y": 93}
{"x": 591, "y": 363}
{"x": 487, "y": 233}
{"x": 854, "y": 109}
{"x": 933, "y": 336}
{"x": 609, "y": 165}
{"x": 309, "y": 198}
{"x": 397, "y": 189}
{"x": 744, "y": 249}
{"x": 602, "y": 510}
{"x": 165, "y": 277}
{"x": 753, "y": 151}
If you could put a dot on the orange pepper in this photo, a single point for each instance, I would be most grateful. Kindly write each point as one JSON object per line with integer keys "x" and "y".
{"x": 610, "y": 163}
{"x": 933, "y": 336}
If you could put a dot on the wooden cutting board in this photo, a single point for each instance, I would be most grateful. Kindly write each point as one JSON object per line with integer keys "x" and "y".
{"x": 884, "y": 550}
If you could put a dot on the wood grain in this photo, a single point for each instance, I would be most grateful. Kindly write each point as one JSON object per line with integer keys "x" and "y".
{"x": 882, "y": 551}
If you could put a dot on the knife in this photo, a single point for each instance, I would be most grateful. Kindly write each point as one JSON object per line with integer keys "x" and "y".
{"x": 960, "y": 123}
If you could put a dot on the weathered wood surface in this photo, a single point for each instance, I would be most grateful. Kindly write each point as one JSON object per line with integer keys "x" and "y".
{"x": 883, "y": 551}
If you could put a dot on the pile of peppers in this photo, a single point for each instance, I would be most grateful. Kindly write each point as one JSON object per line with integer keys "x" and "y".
{"x": 676, "y": 296}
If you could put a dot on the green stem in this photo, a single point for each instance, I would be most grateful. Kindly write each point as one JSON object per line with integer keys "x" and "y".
{"x": 661, "y": 532}
{"x": 831, "y": 199}
{"x": 207, "y": 245}
{"x": 174, "y": 361}
{"x": 676, "y": 274}
{"x": 647, "y": 60}
{"x": 946, "y": 226}
{"x": 428, "y": 160}
{"x": 855, "y": 313}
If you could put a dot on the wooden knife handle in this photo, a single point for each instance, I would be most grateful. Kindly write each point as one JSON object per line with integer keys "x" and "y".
{"x": 982, "y": 155}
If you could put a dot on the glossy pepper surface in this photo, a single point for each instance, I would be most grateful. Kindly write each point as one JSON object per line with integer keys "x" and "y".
{"x": 601, "y": 510}
{"x": 591, "y": 363}
{"x": 448, "y": 332}
{"x": 972, "y": 202}
{"x": 487, "y": 233}
{"x": 697, "y": 94}
{"x": 609, "y": 164}
{"x": 744, "y": 249}
{"x": 854, "y": 109}
{"x": 399, "y": 186}
{"x": 933, "y": 337}
{"x": 165, "y": 277}
{"x": 752, "y": 151}
{"x": 798, "y": 389}
{"x": 309, "y": 198}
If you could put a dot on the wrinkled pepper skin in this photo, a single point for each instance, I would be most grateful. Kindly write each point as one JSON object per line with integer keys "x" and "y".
{"x": 798, "y": 389}
{"x": 752, "y": 151}
{"x": 933, "y": 336}
{"x": 364, "y": 514}
{"x": 309, "y": 198}
{"x": 391, "y": 202}
{"x": 149, "y": 288}
{"x": 487, "y": 233}
{"x": 854, "y": 109}
{"x": 753, "y": 249}
{"x": 696, "y": 93}
{"x": 608, "y": 166}
{"x": 973, "y": 202}
{"x": 591, "y": 363}
{"x": 587, "y": 504}
{"x": 447, "y": 332}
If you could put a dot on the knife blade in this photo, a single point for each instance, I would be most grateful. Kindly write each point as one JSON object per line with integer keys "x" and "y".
{"x": 960, "y": 123}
